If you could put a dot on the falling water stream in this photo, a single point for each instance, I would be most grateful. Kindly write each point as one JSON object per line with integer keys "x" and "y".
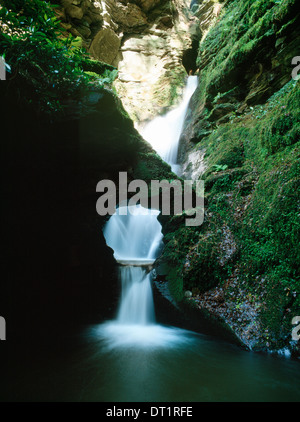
{"x": 135, "y": 236}
{"x": 163, "y": 132}
{"x": 154, "y": 362}
{"x": 135, "y": 358}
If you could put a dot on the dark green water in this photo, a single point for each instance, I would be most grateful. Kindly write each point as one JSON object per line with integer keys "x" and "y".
{"x": 110, "y": 363}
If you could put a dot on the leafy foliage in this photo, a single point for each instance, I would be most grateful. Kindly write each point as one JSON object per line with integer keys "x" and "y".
{"x": 32, "y": 43}
{"x": 220, "y": 167}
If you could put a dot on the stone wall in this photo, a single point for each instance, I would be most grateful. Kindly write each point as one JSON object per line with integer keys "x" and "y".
{"x": 146, "y": 40}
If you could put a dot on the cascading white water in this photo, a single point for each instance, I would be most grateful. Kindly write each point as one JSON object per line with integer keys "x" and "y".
{"x": 136, "y": 302}
{"x": 136, "y": 239}
{"x": 163, "y": 132}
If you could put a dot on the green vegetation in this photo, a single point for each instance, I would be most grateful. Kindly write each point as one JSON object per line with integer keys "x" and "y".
{"x": 33, "y": 46}
{"x": 152, "y": 167}
{"x": 252, "y": 186}
{"x": 166, "y": 94}
{"x": 247, "y": 112}
{"x": 175, "y": 284}
{"x": 250, "y": 109}
{"x": 231, "y": 44}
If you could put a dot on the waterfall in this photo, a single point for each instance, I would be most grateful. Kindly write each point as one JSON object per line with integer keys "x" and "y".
{"x": 163, "y": 132}
{"x": 136, "y": 302}
{"x": 136, "y": 239}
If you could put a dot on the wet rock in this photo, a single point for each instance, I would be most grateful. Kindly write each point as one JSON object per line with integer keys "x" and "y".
{"x": 74, "y": 12}
{"x": 130, "y": 17}
{"x": 147, "y": 5}
{"x": 105, "y": 46}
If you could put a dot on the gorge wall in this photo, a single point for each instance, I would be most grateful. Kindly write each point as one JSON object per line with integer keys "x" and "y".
{"x": 241, "y": 136}
{"x": 152, "y": 43}
{"x": 60, "y": 135}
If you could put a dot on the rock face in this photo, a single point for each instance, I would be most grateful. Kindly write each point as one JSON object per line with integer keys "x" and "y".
{"x": 105, "y": 46}
{"x": 151, "y": 70}
{"x": 241, "y": 136}
{"x": 56, "y": 261}
{"x": 153, "y": 43}
{"x": 243, "y": 71}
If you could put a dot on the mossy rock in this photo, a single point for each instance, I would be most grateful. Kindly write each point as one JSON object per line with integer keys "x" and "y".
{"x": 224, "y": 181}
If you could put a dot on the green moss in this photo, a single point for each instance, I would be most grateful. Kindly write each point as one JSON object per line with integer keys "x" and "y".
{"x": 168, "y": 89}
{"x": 33, "y": 45}
{"x": 252, "y": 185}
{"x": 175, "y": 285}
{"x": 151, "y": 167}
{"x": 223, "y": 182}
{"x": 282, "y": 128}
{"x": 229, "y": 46}
{"x": 193, "y": 255}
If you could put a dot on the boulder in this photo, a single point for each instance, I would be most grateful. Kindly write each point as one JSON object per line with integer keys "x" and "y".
{"x": 188, "y": 293}
{"x": 148, "y": 5}
{"x": 130, "y": 17}
{"x": 105, "y": 46}
{"x": 74, "y": 12}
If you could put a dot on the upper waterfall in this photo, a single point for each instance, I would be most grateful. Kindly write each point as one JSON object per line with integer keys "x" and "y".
{"x": 134, "y": 234}
{"x": 163, "y": 132}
